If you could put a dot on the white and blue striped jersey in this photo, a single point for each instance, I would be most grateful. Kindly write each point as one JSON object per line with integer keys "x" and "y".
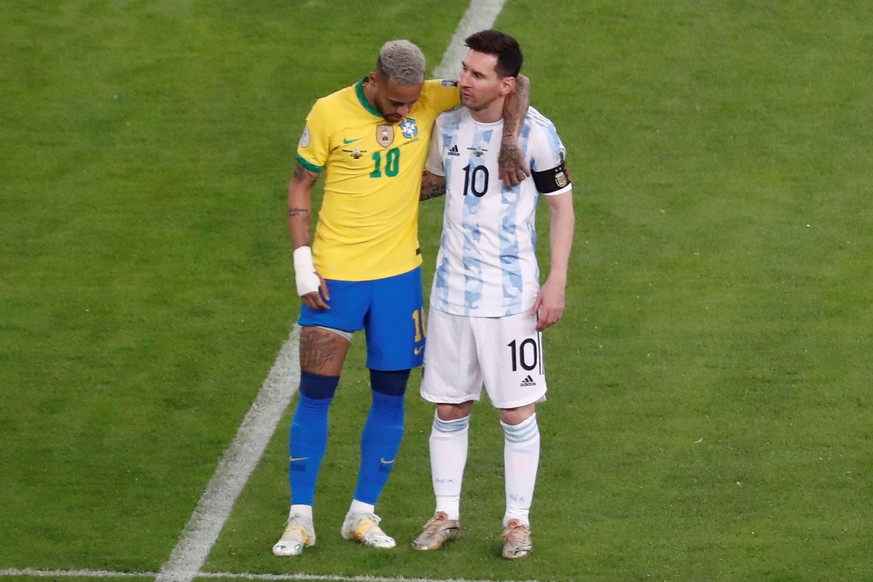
{"x": 486, "y": 265}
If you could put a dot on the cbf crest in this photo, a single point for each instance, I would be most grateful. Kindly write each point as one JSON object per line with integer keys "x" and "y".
{"x": 408, "y": 128}
{"x": 385, "y": 134}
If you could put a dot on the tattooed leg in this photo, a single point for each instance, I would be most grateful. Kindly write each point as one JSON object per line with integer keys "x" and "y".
{"x": 322, "y": 352}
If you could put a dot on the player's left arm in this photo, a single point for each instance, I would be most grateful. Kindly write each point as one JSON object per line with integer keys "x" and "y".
{"x": 550, "y": 301}
{"x": 512, "y": 167}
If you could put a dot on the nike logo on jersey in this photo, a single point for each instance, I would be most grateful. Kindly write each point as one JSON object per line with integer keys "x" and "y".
{"x": 348, "y": 141}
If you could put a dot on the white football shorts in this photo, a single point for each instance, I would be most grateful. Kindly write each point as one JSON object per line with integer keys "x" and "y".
{"x": 504, "y": 353}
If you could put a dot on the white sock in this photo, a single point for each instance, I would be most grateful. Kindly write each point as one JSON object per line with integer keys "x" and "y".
{"x": 521, "y": 458}
{"x": 360, "y": 507}
{"x": 303, "y": 510}
{"x": 448, "y": 457}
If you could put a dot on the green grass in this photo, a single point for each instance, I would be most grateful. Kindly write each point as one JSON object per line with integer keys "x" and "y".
{"x": 709, "y": 411}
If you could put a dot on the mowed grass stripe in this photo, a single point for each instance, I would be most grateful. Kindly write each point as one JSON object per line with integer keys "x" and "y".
{"x": 235, "y": 466}
{"x": 709, "y": 415}
{"x": 100, "y": 574}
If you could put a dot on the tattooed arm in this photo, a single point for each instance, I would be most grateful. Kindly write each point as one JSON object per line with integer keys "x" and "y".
{"x": 432, "y": 186}
{"x": 512, "y": 166}
{"x": 300, "y": 205}
{"x": 309, "y": 282}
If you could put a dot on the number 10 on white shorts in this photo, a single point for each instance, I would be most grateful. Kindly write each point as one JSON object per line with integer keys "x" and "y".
{"x": 505, "y": 354}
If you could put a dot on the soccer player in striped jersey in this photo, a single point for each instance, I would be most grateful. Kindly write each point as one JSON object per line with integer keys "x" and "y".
{"x": 363, "y": 270}
{"x": 487, "y": 308}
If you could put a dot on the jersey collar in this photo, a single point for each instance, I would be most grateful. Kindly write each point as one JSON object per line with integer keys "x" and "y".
{"x": 359, "y": 89}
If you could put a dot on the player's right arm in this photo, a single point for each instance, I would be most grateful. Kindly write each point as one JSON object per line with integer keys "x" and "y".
{"x": 308, "y": 281}
{"x": 512, "y": 168}
{"x": 432, "y": 186}
{"x": 433, "y": 179}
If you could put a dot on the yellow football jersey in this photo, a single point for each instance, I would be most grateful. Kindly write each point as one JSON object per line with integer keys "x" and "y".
{"x": 368, "y": 222}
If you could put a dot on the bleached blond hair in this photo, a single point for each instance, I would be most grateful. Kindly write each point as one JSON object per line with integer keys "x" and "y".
{"x": 402, "y": 62}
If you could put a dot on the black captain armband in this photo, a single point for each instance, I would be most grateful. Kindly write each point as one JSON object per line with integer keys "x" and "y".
{"x": 552, "y": 180}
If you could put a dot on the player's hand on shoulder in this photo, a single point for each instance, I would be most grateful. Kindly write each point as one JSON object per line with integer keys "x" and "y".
{"x": 512, "y": 167}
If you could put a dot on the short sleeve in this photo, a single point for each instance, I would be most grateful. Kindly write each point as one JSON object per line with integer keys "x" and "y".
{"x": 434, "y": 163}
{"x": 314, "y": 145}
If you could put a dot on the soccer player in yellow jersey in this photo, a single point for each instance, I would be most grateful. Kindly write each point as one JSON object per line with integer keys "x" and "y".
{"x": 363, "y": 269}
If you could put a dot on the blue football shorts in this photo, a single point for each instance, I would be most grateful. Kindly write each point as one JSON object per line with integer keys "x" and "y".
{"x": 390, "y": 311}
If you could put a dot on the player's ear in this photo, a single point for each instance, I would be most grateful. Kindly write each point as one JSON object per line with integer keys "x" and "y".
{"x": 507, "y": 85}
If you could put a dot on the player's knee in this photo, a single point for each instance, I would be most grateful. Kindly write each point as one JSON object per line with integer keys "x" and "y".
{"x": 454, "y": 411}
{"x": 513, "y": 416}
{"x": 318, "y": 387}
{"x": 390, "y": 383}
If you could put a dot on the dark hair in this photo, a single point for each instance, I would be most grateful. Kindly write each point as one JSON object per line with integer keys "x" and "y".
{"x": 501, "y": 45}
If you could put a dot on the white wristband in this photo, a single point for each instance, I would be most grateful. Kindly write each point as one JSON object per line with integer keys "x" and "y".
{"x": 304, "y": 271}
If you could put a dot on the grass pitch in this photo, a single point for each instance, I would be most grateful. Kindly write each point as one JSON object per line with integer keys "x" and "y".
{"x": 709, "y": 414}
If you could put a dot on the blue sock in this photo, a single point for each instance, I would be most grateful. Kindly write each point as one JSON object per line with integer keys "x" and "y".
{"x": 382, "y": 434}
{"x": 308, "y": 439}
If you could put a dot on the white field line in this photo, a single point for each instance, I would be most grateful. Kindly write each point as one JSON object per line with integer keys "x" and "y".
{"x": 33, "y": 573}
{"x": 259, "y": 424}
{"x": 235, "y": 467}
{"x": 242, "y": 456}
{"x": 480, "y": 15}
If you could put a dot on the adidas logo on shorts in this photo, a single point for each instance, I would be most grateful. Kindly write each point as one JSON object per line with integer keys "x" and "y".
{"x": 527, "y": 382}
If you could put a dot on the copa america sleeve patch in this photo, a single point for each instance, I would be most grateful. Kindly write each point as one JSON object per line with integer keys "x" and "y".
{"x": 549, "y": 181}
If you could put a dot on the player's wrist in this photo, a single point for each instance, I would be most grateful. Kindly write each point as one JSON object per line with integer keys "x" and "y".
{"x": 305, "y": 275}
{"x": 557, "y": 279}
